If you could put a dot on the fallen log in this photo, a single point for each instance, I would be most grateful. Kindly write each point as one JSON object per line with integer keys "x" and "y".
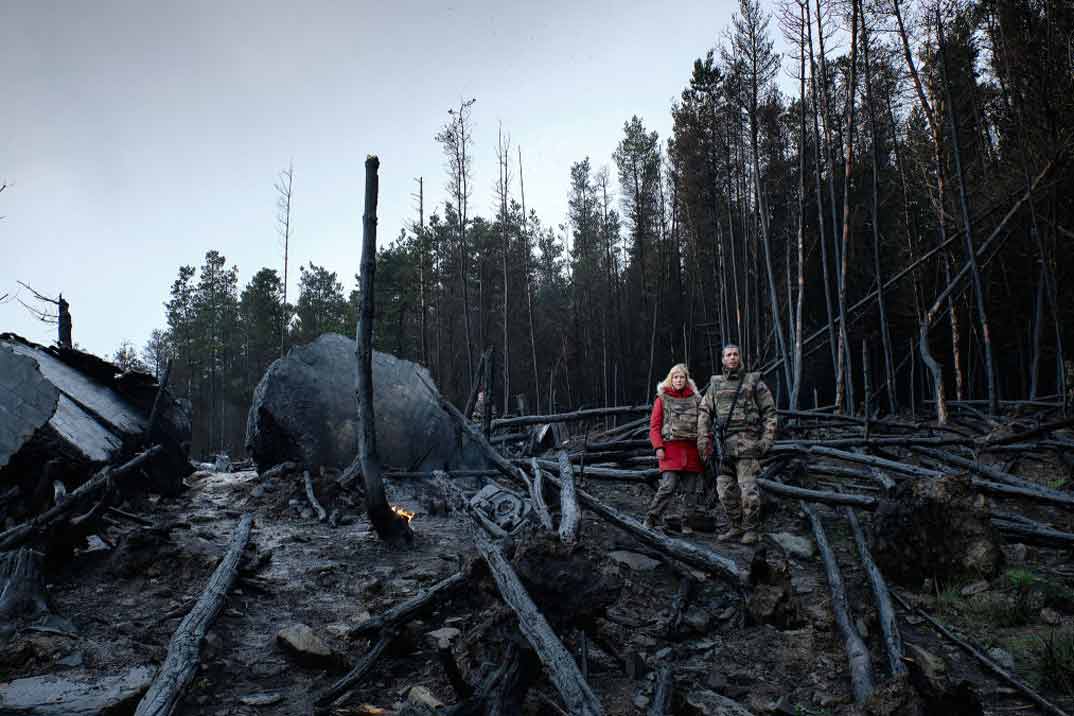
{"x": 862, "y": 502}
{"x": 991, "y": 442}
{"x": 426, "y": 474}
{"x": 569, "y": 514}
{"x": 624, "y": 429}
{"x": 537, "y": 496}
{"x": 181, "y": 663}
{"x": 1039, "y": 534}
{"x": 861, "y": 670}
{"x": 992, "y": 473}
{"x": 590, "y": 448}
{"x": 889, "y": 625}
{"x": 605, "y": 473}
{"x": 662, "y": 691}
{"x": 39, "y": 528}
{"x": 689, "y": 553}
{"x": 584, "y": 414}
{"x": 355, "y": 675}
{"x": 22, "y": 586}
{"x": 900, "y": 468}
{"x": 562, "y": 671}
{"x": 976, "y": 653}
{"x": 403, "y": 612}
{"x": 321, "y": 514}
{"x": 678, "y": 605}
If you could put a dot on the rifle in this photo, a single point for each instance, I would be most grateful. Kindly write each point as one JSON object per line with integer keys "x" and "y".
{"x": 715, "y": 461}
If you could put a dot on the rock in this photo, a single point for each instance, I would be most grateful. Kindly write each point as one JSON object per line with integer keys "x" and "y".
{"x": 931, "y": 668}
{"x": 445, "y": 634}
{"x": 697, "y": 619}
{"x": 266, "y": 698}
{"x": 258, "y": 492}
{"x": 1002, "y": 657}
{"x": 794, "y": 545}
{"x": 663, "y": 653}
{"x": 303, "y": 411}
{"x": 633, "y": 560}
{"x": 981, "y": 585}
{"x": 939, "y": 528}
{"x": 1050, "y": 616}
{"x": 772, "y": 600}
{"x": 86, "y": 695}
{"x": 300, "y": 641}
{"x": 641, "y": 701}
{"x": 65, "y": 413}
{"x": 421, "y": 696}
{"x": 710, "y": 703}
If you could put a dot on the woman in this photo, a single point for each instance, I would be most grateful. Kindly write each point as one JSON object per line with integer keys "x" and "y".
{"x": 673, "y": 434}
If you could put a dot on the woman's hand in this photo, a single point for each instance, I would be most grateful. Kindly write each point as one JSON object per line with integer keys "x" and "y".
{"x": 660, "y": 453}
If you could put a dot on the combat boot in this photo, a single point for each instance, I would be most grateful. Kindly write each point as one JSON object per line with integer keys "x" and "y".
{"x": 733, "y": 532}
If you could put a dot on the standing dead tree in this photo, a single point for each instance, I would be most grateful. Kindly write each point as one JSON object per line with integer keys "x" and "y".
{"x": 389, "y": 526}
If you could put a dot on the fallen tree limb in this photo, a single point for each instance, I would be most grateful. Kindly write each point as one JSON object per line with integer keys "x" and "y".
{"x": 605, "y": 473}
{"x": 1044, "y": 429}
{"x": 356, "y": 674}
{"x": 181, "y": 663}
{"x": 992, "y": 473}
{"x": 537, "y": 495}
{"x": 321, "y": 514}
{"x": 862, "y": 502}
{"x": 569, "y": 514}
{"x": 976, "y": 653}
{"x": 567, "y": 417}
{"x": 861, "y": 670}
{"x": 689, "y": 553}
{"x": 1034, "y": 534}
{"x": 889, "y": 625}
{"x": 662, "y": 691}
{"x": 562, "y": 670}
{"x": 900, "y": 468}
{"x": 40, "y": 526}
{"x": 403, "y": 612}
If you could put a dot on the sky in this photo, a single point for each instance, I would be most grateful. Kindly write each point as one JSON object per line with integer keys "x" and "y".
{"x": 136, "y": 136}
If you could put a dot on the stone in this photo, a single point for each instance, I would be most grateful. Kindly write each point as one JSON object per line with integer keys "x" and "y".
{"x": 265, "y": 698}
{"x": 70, "y": 695}
{"x": 641, "y": 701}
{"x": 633, "y": 560}
{"x": 794, "y": 545}
{"x": 981, "y": 585}
{"x": 421, "y": 696}
{"x": 1050, "y": 616}
{"x": 709, "y": 703}
{"x": 303, "y": 410}
{"x": 663, "y": 653}
{"x": 1002, "y": 657}
{"x": 444, "y": 634}
{"x": 300, "y": 641}
{"x": 697, "y": 619}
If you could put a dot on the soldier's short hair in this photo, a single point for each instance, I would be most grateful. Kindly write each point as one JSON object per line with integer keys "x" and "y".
{"x": 729, "y": 346}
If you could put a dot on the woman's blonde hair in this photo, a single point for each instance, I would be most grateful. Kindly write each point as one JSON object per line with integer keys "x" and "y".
{"x": 677, "y": 368}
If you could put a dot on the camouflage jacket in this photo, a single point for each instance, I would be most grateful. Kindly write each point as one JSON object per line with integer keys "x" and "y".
{"x": 751, "y": 430}
{"x": 679, "y": 419}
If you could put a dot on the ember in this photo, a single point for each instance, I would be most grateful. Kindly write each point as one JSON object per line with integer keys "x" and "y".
{"x": 403, "y": 513}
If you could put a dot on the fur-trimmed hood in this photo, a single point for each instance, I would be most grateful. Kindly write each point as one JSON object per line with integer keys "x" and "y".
{"x": 661, "y": 387}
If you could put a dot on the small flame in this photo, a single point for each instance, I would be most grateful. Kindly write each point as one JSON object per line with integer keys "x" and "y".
{"x": 408, "y": 516}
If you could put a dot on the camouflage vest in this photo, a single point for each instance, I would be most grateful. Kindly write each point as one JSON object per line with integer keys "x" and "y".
{"x": 746, "y": 417}
{"x": 680, "y": 416}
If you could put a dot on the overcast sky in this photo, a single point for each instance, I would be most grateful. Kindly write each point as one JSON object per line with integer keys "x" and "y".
{"x": 138, "y": 135}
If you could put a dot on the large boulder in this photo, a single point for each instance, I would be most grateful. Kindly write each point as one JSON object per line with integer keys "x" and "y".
{"x": 304, "y": 410}
{"x": 64, "y": 413}
{"x": 936, "y": 528}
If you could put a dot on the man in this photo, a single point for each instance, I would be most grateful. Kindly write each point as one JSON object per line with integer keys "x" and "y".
{"x": 740, "y": 406}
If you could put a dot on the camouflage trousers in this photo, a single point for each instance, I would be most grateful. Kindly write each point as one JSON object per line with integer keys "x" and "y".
{"x": 690, "y": 487}
{"x": 737, "y": 488}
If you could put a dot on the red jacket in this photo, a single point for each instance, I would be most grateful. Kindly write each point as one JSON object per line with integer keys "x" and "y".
{"x": 679, "y": 455}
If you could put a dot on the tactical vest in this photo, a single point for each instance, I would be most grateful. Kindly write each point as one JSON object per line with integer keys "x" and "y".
{"x": 680, "y": 416}
{"x": 746, "y": 415}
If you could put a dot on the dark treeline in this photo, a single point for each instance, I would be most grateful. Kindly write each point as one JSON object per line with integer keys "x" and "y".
{"x": 923, "y": 144}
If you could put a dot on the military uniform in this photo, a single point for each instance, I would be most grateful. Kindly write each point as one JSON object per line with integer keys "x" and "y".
{"x": 749, "y": 434}
{"x": 673, "y": 429}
